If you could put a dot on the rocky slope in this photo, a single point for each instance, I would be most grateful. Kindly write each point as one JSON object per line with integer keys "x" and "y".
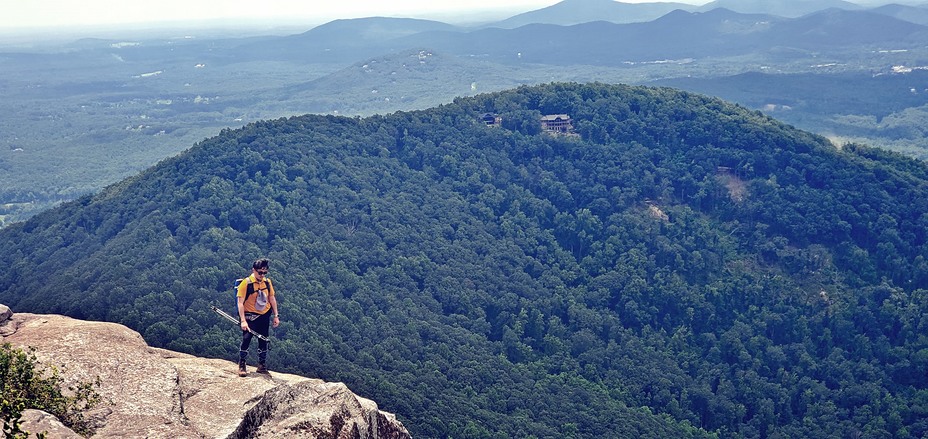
{"x": 155, "y": 393}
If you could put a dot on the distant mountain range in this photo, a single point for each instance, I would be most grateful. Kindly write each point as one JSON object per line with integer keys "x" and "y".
{"x": 678, "y": 34}
{"x": 912, "y": 14}
{"x": 783, "y": 8}
{"x": 570, "y": 12}
{"x": 585, "y": 32}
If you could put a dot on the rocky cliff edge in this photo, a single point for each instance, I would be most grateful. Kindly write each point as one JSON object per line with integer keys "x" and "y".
{"x": 156, "y": 393}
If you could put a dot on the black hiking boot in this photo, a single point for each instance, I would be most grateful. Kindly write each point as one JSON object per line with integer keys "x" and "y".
{"x": 242, "y": 372}
{"x": 262, "y": 369}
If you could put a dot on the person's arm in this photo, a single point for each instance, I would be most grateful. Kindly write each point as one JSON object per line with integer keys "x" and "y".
{"x": 275, "y": 317}
{"x": 240, "y": 298}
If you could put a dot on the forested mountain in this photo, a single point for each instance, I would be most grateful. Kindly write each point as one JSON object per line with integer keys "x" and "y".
{"x": 76, "y": 117}
{"x": 677, "y": 267}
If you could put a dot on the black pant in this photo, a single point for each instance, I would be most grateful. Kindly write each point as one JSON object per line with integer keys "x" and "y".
{"x": 261, "y": 325}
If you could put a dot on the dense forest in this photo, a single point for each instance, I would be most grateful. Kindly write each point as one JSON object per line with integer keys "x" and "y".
{"x": 676, "y": 267}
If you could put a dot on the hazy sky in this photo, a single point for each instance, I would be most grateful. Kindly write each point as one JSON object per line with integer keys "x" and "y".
{"x": 21, "y": 14}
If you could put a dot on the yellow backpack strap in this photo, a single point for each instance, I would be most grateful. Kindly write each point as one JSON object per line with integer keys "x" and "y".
{"x": 251, "y": 288}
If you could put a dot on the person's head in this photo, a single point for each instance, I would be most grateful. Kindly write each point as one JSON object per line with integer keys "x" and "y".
{"x": 260, "y": 266}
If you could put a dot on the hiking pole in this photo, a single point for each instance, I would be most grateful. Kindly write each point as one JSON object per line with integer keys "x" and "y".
{"x": 235, "y": 320}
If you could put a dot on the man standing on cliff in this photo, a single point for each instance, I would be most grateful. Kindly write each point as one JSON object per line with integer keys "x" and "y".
{"x": 255, "y": 298}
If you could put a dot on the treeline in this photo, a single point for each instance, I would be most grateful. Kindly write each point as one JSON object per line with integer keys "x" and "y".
{"x": 680, "y": 267}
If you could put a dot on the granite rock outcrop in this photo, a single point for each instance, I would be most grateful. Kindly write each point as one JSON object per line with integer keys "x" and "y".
{"x": 156, "y": 393}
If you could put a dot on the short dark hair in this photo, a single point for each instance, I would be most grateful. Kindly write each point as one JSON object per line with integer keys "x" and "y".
{"x": 260, "y": 263}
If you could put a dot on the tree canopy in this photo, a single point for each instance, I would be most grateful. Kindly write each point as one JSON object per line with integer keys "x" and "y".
{"x": 676, "y": 267}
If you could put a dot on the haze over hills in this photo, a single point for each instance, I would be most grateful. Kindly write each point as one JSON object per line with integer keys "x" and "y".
{"x": 914, "y": 14}
{"x": 783, "y": 8}
{"x": 718, "y": 33}
{"x": 673, "y": 266}
{"x": 841, "y": 28}
{"x": 406, "y": 80}
{"x": 341, "y": 40}
{"x": 885, "y": 96}
{"x": 569, "y": 12}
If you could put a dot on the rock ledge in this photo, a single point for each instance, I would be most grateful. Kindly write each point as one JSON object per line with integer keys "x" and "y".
{"x": 156, "y": 393}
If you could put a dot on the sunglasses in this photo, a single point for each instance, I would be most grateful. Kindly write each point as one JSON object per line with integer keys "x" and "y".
{"x": 262, "y": 272}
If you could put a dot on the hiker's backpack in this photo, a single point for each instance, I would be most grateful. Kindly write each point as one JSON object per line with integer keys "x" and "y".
{"x": 248, "y": 292}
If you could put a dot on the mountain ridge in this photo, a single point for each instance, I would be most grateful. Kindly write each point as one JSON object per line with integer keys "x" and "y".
{"x": 644, "y": 274}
